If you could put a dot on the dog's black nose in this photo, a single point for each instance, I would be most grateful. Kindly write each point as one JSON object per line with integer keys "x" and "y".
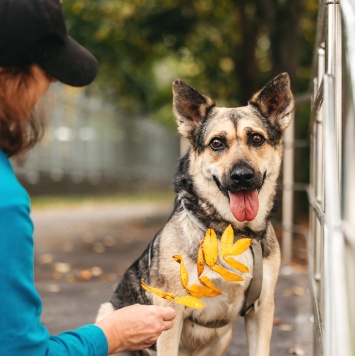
{"x": 242, "y": 174}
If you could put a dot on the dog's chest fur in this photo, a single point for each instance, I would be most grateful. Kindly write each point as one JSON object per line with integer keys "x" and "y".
{"x": 182, "y": 236}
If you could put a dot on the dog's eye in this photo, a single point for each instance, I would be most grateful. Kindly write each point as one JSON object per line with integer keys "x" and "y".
{"x": 217, "y": 144}
{"x": 257, "y": 139}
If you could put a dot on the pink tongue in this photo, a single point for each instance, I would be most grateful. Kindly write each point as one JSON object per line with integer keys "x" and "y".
{"x": 244, "y": 205}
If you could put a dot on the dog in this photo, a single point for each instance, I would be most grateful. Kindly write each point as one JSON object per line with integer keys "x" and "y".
{"x": 229, "y": 176}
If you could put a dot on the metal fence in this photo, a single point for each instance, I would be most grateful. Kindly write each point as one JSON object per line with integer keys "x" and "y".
{"x": 331, "y": 192}
{"x": 89, "y": 141}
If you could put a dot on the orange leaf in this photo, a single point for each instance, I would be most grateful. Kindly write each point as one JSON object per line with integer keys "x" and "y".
{"x": 228, "y": 276}
{"x": 189, "y": 301}
{"x": 240, "y": 246}
{"x": 227, "y": 241}
{"x": 207, "y": 282}
{"x": 200, "y": 292}
{"x": 184, "y": 276}
{"x": 158, "y": 292}
{"x": 200, "y": 260}
{"x": 236, "y": 264}
{"x": 211, "y": 247}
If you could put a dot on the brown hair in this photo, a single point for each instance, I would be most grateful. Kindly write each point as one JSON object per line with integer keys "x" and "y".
{"x": 20, "y": 128}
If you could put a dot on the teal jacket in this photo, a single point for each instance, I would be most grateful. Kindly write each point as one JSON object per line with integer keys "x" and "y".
{"x": 21, "y": 332}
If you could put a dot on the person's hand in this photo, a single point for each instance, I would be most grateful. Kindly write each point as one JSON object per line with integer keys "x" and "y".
{"x": 136, "y": 327}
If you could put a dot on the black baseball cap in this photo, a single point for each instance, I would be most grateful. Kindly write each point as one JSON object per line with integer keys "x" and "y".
{"x": 34, "y": 31}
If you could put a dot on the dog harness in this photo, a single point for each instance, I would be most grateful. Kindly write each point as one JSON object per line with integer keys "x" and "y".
{"x": 253, "y": 292}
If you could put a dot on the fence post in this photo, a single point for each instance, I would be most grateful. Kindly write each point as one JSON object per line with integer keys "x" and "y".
{"x": 287, "y": 197}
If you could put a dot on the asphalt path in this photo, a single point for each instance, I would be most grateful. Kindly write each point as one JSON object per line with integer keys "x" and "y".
{"x": 81, "y": 252}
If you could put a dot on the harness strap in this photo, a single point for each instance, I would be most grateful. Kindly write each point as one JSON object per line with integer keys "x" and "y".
{"x": 254, "y": 290}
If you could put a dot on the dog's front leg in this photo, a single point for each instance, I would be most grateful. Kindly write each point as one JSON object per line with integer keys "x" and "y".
{"x": 259, "y": 320}
{"x": 168, "y": 342}
{"x": 259, "y": 328}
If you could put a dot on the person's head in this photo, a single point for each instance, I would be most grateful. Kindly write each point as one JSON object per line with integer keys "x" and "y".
{"x": 35, "y": 50}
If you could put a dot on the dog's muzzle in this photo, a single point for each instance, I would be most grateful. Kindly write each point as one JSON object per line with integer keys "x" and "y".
{"x": 242, "y": 186}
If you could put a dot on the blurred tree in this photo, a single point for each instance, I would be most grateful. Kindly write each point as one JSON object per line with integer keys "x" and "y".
{"x": 226, "y": 48}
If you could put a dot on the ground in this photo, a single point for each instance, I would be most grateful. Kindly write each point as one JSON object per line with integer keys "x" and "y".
{"x": 81, "y": 252}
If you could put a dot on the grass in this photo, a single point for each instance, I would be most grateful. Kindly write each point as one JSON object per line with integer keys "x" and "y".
{"x": 58, "y": 201}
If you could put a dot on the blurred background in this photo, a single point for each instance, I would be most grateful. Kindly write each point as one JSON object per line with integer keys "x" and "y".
{"x": 119, "y": 133}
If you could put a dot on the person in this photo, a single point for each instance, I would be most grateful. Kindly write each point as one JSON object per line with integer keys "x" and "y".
{"x": 36, "y": 50}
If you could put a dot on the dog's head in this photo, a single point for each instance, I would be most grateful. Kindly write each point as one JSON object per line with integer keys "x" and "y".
{"x": 235, "y": 153}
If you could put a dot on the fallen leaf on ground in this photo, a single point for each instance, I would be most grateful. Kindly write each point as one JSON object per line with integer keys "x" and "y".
{"x": 98, "y": 247}
{"x": 109, "y": 241}
{"x": 298, "y": 291}
{"x": 62, "y": 267}
{"x": 96, "y": 271}
{"x": 46, "y": 258}
{"x": 286, "y": 327}
{"x": 85, "y": 275}
{"x": 53, "y": 288}
{"x": 287, "y": 292}
{"x": 277, "y": 321}
{"x": 296, "y": 351}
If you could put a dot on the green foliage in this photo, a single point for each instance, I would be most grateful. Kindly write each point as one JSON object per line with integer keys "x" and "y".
{"x": 227, "y": 48}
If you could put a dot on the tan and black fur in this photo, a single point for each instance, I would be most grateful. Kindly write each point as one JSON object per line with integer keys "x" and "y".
{"x": 233, "y": 151}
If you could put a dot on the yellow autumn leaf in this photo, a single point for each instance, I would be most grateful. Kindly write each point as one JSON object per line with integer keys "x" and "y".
{"x": 158, "y": 292}
{"x": 210, "y": 248}
{"x": 236, "y": 264}
{"x": 227, "y": 241}
{"x": 240, "y": 246}
{"x": 190, "y": 301}
{"x": 207, "y": 282}
{"x": 227, "y": 275}
{"x": 184, "y": 276}
{"x": 200, "y": 260}
{"x": 201, "y": 292}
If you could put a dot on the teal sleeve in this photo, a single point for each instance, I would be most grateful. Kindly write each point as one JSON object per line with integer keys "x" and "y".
{"x": 79, "y": 342}
{"x": 21, "y": 332}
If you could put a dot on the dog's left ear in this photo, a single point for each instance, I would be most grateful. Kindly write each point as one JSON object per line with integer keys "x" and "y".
{"x": 275, "y": 101}
{"x": 190, "y": 106}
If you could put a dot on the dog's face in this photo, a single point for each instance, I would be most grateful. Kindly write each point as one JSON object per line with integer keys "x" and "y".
{"x": 236, "y": 152}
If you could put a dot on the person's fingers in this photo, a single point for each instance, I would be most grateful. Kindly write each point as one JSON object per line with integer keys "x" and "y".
{"x": 168, "y": 325}
{"x": 168, "y": 313}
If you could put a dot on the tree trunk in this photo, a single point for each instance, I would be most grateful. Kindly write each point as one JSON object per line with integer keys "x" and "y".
{"x": 283, "y": 20}
{"x": 247, "y": 66}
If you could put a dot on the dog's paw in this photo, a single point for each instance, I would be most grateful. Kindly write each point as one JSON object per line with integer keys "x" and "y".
{"x": 104, "y": 310}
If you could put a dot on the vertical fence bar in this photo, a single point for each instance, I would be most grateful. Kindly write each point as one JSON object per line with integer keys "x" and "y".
{"x": 287, "y": 196}
{"x": 348, "y": 11}
{"x": 336, "y": 316}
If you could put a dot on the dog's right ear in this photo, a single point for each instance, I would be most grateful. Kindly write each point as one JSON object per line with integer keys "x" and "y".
{"x": 190, "y": 106}
{"x": 275, "y": 101}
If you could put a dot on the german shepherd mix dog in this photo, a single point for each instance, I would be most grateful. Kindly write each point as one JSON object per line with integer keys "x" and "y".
{"x": 228, "y": 177}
